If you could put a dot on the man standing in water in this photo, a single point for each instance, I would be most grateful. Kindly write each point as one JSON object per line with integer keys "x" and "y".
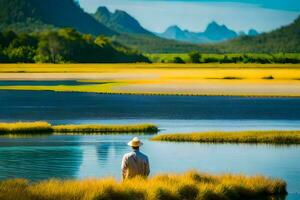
{"x": 135, "y": 163}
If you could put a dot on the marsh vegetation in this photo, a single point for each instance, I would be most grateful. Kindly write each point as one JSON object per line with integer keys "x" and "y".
{"x": 139, "y": 128}
{"x": 251, "y": 137}
{"x": 46, "y": 128}
{"x": 25, "y": 128}
{"x": 190, "y": 185}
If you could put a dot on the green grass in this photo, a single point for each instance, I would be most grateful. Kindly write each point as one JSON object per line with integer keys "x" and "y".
{"x": 189, "y": 186}
{"x": 229, "y": 58}
{"x": 46, "y": 128}
{"x": 251, "y": 137}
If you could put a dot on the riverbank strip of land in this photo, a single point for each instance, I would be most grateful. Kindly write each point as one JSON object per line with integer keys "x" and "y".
{"x": 249, "y": 80}
{"x": 190, "y": 185}
{"x": 46, "y": 128}
{"x": 250, "y": 137}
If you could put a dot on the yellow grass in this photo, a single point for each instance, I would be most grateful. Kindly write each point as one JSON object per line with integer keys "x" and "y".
{"x": 189, "y": 186}
{"x": 162, "y": 79}
{"x": 25, "y": 127}
{"x": 139, "y": 128}
{"x": 256, "y": 137}
{"x": 46, "y": 128}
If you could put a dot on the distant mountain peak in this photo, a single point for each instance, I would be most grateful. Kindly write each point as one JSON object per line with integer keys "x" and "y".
{"x": 103, "y": 10}
{"x": 214, "y": 32}
{"x": 217, "y": 32}
{"x": 174, "y": 28}
{"x": 122, "y": 12}
{"x": 174, "y": 32}
{"x": 119, "y": 21}
{"x": 253, "y": 32}
{"x": 214, "y": 26}
{"x": 213, "y": 23}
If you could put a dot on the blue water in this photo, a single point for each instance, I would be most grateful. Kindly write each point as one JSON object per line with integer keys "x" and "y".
{"x": 43, "y": 157}
{"x": 32, "y": 105}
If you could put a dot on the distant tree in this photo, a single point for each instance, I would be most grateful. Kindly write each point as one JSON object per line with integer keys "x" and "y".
{"x": 3, "y": 57}
{"x": 50, "y": 48}
{"x": 7, "y": 37}
{"x": 226, "y": 59}
{"x": 195, "y": 57}
{"x": 64, "y": 45}
{"x": 178, "y": 60}
{"x": 23, "y": 54}
{"x": 210, "y": 59}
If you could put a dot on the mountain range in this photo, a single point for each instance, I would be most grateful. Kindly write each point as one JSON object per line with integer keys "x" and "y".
{"x": 38, "y": 15}
{"x": 214, "y": 33}
{"x": 119, "y": 21}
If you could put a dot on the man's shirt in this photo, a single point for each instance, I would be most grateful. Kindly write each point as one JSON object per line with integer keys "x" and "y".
{"x": 135, "y": 164}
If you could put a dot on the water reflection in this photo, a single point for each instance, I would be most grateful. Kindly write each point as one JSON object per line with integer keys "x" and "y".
{"x": 106, "y": 148}
{"x": 39, "y": 157}
{"x": 37, "y": 163}
{"x": 102, "y": 155}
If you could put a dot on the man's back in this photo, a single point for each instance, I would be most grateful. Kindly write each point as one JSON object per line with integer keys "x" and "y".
{"x": 135, "y": 164}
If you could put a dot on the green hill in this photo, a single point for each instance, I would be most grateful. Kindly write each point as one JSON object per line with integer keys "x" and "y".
{"x": 285, "y": 39}
{"x": 31, "y": 15}
{"x": 154, "y": 44}
{"x": 37, "y": 15}
{"x": 63, "y": 46}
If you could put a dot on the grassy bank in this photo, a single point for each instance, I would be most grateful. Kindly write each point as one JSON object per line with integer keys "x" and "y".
{"x": 252, "y": 137}
{"x": 271, "y": 80}
{"x": 46, "y": 128}
{"x": 190, "y": 185}
{"x": 142, "y": 128}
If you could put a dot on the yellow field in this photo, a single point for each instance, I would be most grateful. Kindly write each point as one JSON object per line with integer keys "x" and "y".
{"x": 162, "y": 79}
{"x": 191, "y": 185}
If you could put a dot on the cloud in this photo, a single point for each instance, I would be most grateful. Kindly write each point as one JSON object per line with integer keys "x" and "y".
{"x": 195, "y": 15}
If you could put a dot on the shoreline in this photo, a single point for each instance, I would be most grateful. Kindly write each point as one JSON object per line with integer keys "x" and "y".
{"x": 162, "y": 94}
{"x": 249, "y": 80}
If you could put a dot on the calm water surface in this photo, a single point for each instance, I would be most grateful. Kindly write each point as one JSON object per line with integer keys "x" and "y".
{"x": 42, "y": 157}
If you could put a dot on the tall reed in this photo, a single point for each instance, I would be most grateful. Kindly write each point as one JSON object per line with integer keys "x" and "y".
{"x": 267, "y": 137}
{"x": 141, "y": 128}
{"x": 190, "y": 186}
{"x": 25, "y": 128}
{"x": 46, "y": 128}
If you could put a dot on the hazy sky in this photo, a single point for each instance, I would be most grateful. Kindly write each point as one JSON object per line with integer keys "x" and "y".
{"x": 240, "y": 15}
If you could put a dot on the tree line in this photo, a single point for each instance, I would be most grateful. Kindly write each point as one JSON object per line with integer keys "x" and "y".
{"x": 64, "y": 45}
{"x": 197, "y": 57}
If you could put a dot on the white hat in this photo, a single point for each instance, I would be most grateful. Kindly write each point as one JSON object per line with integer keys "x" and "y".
{"x": 135, "y": 142}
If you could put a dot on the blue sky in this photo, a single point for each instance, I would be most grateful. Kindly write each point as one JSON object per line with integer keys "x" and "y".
{"x": 240, "y": 15}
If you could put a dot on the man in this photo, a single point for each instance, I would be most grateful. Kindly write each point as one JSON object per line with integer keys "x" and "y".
{"x": 135, "y": 163}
